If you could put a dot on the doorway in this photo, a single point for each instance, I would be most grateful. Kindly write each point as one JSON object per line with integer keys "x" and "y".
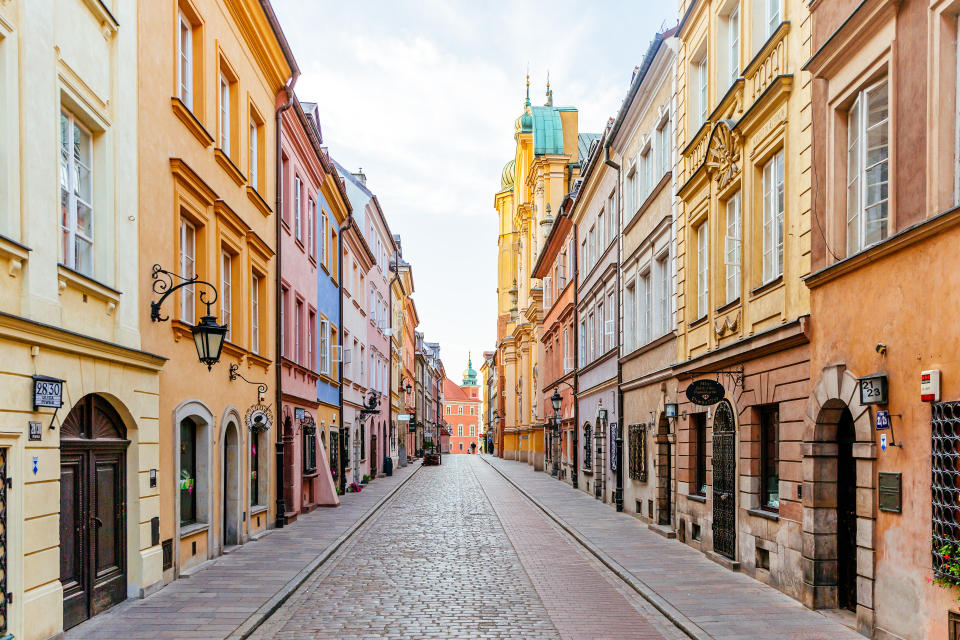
{"x": 373, "y": 455}
{"x": 664, "y": 473}
{"x": 846, "y": 514}
{"x": 93, "y": 558}
{"x": 231, "y": 487}
{"x": 724, "y": 481}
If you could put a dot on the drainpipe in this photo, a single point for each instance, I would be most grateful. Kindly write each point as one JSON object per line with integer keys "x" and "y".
{"x": 396, "y": 276}
{"x": 342, "y": 454}
{"x": 619, "y": 442}
{"x": 281, "y": 503}
{"x": 576, "y": 349}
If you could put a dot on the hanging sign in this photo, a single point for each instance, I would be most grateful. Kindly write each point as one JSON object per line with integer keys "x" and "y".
{"x": 883, "y": 420}
{"x": 47, "y": 392}
{"x": 259, "y": 418}
{"x": 705, "y": 392}
{"x": 298, "y": 413}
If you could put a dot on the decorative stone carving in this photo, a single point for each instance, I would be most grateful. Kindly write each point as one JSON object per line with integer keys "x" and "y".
{"x": 727, "y": 324}
{"x": 723, "y": 158}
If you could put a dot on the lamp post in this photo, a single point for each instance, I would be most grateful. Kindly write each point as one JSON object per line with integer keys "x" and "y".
{"x": 208, "y": 336}
{"x": 557, "y": 400}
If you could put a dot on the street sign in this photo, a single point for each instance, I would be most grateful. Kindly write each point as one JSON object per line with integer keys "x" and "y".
{"x": 298, "y": 413}
{"x": 705, "y": 392}
{"x": 47, "y": 392}
{"x": 883, "y": 420}
{"x": 403, "y": 417}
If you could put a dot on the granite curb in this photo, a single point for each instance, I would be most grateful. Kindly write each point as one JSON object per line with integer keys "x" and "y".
{"x": 252, "y": 623}
{"x": 681, "y": 621}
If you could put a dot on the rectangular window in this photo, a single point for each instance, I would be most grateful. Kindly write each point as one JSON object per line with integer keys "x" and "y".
{"x": 226, "y": 290}
{"x": 76, "y": 194}
{"x": 254, "y": 470}
{"x": 567, "y": 365}
{"x": 188, "y": 472}
{"x": 702, "y": 79}
{"x": 663, "y": 294}
{"x": 601, "y": 232}
{"x": 773, "y": 16}
{"x": 254, "y": 170}
{"x": 773, "y": 218}
{"x": 311, "y": 323}
{"x": 731, "y": 248}
{"x": 770, "y": 457}
{"x": 473, "y": 429}
{"x": 460, "y": 429}
{"x": 630, "y": 316}
{"x": 592, "y": 328}
{"x": 629, "y": 192}
{"x": 610, "y": 325}
{"x": 612, "y": 215}
{"x": 225, "y": 104}
{"x": 582, "y": 343}
{"x": 298, "y": 332}
{"x": 664, "y": 149}
{"x": 309, "y": 452}
{"x": 185, "y": 60}
{"x": 310, "y": 217}
{"x": 700, "y": 433}
{"x": 867, "y": 168}
{"x": 325, "y": 347}
{"x": 643, "y": 309}
{"x": 188, "y": 259}
{"x": 592, "y": 247}
{"x": 601, "y": 332}
{"x": 733, "y": 42}
{"x": 703, "y": 269}
{"x": 255, "y": 313}
{"x": 284, "y": 301}
{"x": 298, "y": 207}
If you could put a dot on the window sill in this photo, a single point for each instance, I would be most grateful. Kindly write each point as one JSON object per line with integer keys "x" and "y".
{"x": 258, "y": 201}
{"x": 308, "y": 475}
{"x": 227, "y": 165}
{"x": 193, "y": 529}
{"x": 697, "y": 498}
{"x": 763, "y": 513}
{"x": 257, "y": 509}
{"x": 70, "y": 278}
{"x": 728, "y": 306}
{"x": 766, "y": 286}
{"x": 695, "y": 323}
{"x": 194, "y": 126}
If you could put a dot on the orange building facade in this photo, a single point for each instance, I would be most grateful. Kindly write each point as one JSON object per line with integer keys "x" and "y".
{"x": 461, "y": 412}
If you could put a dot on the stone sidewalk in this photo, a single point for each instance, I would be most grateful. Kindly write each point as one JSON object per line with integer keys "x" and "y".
{"x": 703, "y": 598}
{"x": 237, "y": 591}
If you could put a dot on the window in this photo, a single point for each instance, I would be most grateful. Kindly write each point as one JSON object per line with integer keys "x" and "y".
{"x": 612, "y": 216}
{"x": 473, "y": 411}
{"x": 592, "y": 328}
{"x": 188, "y": 472}
{"x": 284, "y": 296}
{"x": 297, "y": 331}
{"x": 323, "y": 231}
{"x": 460, "y": 431}
{"x": 773, "y": 16}
{"x": 601, "y": 232}
{"x": 255, "y": 313}
{"x": 363, "y": 442}
{"x": 630, "y": 192}
{"x": 311, "y": 322}
{"x": 700, "y": 433}
{"x": 254, "y": 469}
{"x": 733, "y": 43}
{"x": 254, "y": 170}
{"x": 587, "y": 446}
{"x": 664, "y": 319}
{"x": 646, "y": 173}
{"x": 731, "y": 248}
{"x": 311, "y": 209}
{"x": 282, "y": 188}
{"x": 76, "y": 194}
{"x": 592, "y": 247}
{"x": 867, "y": 168}
{"x": 567, "y": 365}
{"x": 582, "y": 343}
{"x": 185, "y": 61}
{"x": 773, "y": 218}
{"x": 610, "y": 324}
{"x": 309, "y": 451}
{"x": 460, "y": 410}
{"x": 703, "y": 269}
{"x": 643, "y": 308}
{"x": 473, "y": 430}
{"x": 630, "y": 315}
{"x": 298, "y": 207}
{"x": 225, "y": 106}
{"x": 226, "y": 290}
{"x": 700, "y": 75}
{"x": 324, "y": 346}
{"x": 601, "y": 339}
{"x": 663, "y": 148}
{"x": 188, "y": 255}
{"x": 770, "y": 458}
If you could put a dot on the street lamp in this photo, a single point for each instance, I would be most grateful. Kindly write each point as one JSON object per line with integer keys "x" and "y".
{"x": 208, "y": 336}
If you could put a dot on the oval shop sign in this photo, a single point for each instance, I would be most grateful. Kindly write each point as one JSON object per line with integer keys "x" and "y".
{"x": 705, "y": 392}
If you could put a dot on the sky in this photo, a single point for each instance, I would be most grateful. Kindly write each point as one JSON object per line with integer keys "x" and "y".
{"x": 423, "y": 95}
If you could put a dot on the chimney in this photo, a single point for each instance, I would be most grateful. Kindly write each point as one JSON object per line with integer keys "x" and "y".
{"x": 361, "y": 176}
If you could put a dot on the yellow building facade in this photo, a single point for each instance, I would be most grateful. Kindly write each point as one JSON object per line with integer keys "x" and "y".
{"x": 70, "y": 321}
{"x": 208, "y": 200}
{"x": 743, "y": 248}
{"x": 532, "y": 187}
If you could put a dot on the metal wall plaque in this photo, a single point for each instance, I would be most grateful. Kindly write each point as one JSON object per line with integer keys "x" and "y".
{"x": 47, "y": 392}
{"x": 873, "y": 389}
{"x": 298, "y": 413}
{"x": 890, "y": 490}
{"x": 36, "y": 430}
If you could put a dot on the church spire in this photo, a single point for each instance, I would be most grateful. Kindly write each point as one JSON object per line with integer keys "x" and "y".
{"x": 549, "y": 91}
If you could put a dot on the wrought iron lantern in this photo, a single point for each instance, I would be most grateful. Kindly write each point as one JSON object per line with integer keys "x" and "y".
{"x": 208, "y": 335}
{"x": 555, "y": 400}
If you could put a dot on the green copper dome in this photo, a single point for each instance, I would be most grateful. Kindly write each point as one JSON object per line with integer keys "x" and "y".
{"x": 469, "y": 374}
{"x": 506, "y": 176}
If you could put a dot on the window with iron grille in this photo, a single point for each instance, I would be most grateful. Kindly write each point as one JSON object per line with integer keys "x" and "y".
{"x": 3, "y": 542}
{"x": 945, "y": 447}
{"x": 638, "y": 452}
{"x": 587, "y": 446}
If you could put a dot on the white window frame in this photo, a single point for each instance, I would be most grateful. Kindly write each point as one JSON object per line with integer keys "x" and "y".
{"x": 255, "y": 313}
{"x": 858, "y": 189}
{"x": 298, "y": 207}
{"x": 664, "y": 148}
{"x": 644, "y": 330}
{"x": 701, "y": 67}
{"x": 703, "y": 269}
{"x": 71, "y": 167}
{"x": 311, "y": 207}
{"x": 733, "y": 43}
{"x": 663, "y": 285}
{"x": 224, "y": 95}
{"x": 774, "y": 16}
{"x": 630, "y": 315}
{"x": 731, "y": 246}
{"x": 254, "y": 154}
{"x": 773, "y": 206}
{"x": 185, "y": 60}
{"x": 226, "y": 290}
{"x": 582, "y": 343}
{"x": 188, "y": 263}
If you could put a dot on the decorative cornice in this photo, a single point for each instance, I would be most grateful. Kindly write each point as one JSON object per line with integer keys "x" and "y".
{"x": 227, "y": 164}
{"x": 193, "y": 125}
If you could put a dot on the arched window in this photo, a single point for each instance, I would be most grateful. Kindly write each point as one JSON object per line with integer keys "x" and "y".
{"x": 587, "y": 446}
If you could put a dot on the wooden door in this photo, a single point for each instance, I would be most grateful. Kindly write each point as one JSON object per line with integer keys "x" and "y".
{"x": 93, "y": 567}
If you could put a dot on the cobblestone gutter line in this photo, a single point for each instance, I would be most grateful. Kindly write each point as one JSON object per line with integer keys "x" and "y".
{"x": 251, "y": 624}
{"x": 682, "y": 622}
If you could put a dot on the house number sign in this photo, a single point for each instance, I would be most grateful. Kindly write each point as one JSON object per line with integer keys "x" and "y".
{"x": 47, "y": 392}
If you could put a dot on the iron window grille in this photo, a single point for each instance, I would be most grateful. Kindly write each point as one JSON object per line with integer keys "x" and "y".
{"x": 945, "y": 447}
{"x": 3, "y": 542}
{"x": 638, "y": 452}
{"x": 587, "y": 447}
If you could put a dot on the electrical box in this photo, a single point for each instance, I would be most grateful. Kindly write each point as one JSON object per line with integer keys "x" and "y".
{"x": 930, "y": 385}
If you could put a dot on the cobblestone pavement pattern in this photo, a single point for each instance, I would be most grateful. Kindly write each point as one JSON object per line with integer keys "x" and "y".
{"x": 449, "y": 558}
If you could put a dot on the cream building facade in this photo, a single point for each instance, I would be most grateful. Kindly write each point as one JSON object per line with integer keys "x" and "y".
{"x": 71, "y": 311}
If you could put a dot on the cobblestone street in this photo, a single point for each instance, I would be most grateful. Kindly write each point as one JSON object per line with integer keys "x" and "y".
{"x": 459, "y": 553}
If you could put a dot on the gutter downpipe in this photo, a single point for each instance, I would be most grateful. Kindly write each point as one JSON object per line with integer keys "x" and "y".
{"x": 619, "y": 442}
{"x": 396, "y": 276}
{"x": 576, "y": 350}
{"x": 281, "y": 503}
{"x": 344, "y": 450}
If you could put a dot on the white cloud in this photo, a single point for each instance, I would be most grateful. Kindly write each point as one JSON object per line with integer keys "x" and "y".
{"x": 423, "y": 96}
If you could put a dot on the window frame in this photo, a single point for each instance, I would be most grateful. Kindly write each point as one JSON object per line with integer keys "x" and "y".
{"x": 700, "y": 454}
{"x": 769, "y": 413}
{"x": 703, "y": 269}
{"x": 773, "y": 194}
{"x": 224, "y": 107}
{"x": 860, "y": 106}
{"x": 191, "y": 451}
{"x": 226, "y": 291}
{"x": 185, "y": 60}
{"x": 188, "y": 304}
{"x": 732, "y": 246}
{"x": 70, "y": 166}
{"x": 255, "y": 313}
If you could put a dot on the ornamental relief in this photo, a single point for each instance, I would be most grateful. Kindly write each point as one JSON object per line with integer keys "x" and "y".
{"x": 727, "y": 324}
{"x": 724, "y": 154}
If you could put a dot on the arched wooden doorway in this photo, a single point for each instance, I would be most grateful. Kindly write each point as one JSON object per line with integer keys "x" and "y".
{"x": 374, "y": 454}
{"x": 664, "y": 473}
{"x": 93, "y": 506}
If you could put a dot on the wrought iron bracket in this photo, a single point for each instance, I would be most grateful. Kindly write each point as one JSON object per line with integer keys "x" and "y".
{"x": 735, "y": 374}
{"x": 235, "y": 373}
{"x": 163, "y": 285}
